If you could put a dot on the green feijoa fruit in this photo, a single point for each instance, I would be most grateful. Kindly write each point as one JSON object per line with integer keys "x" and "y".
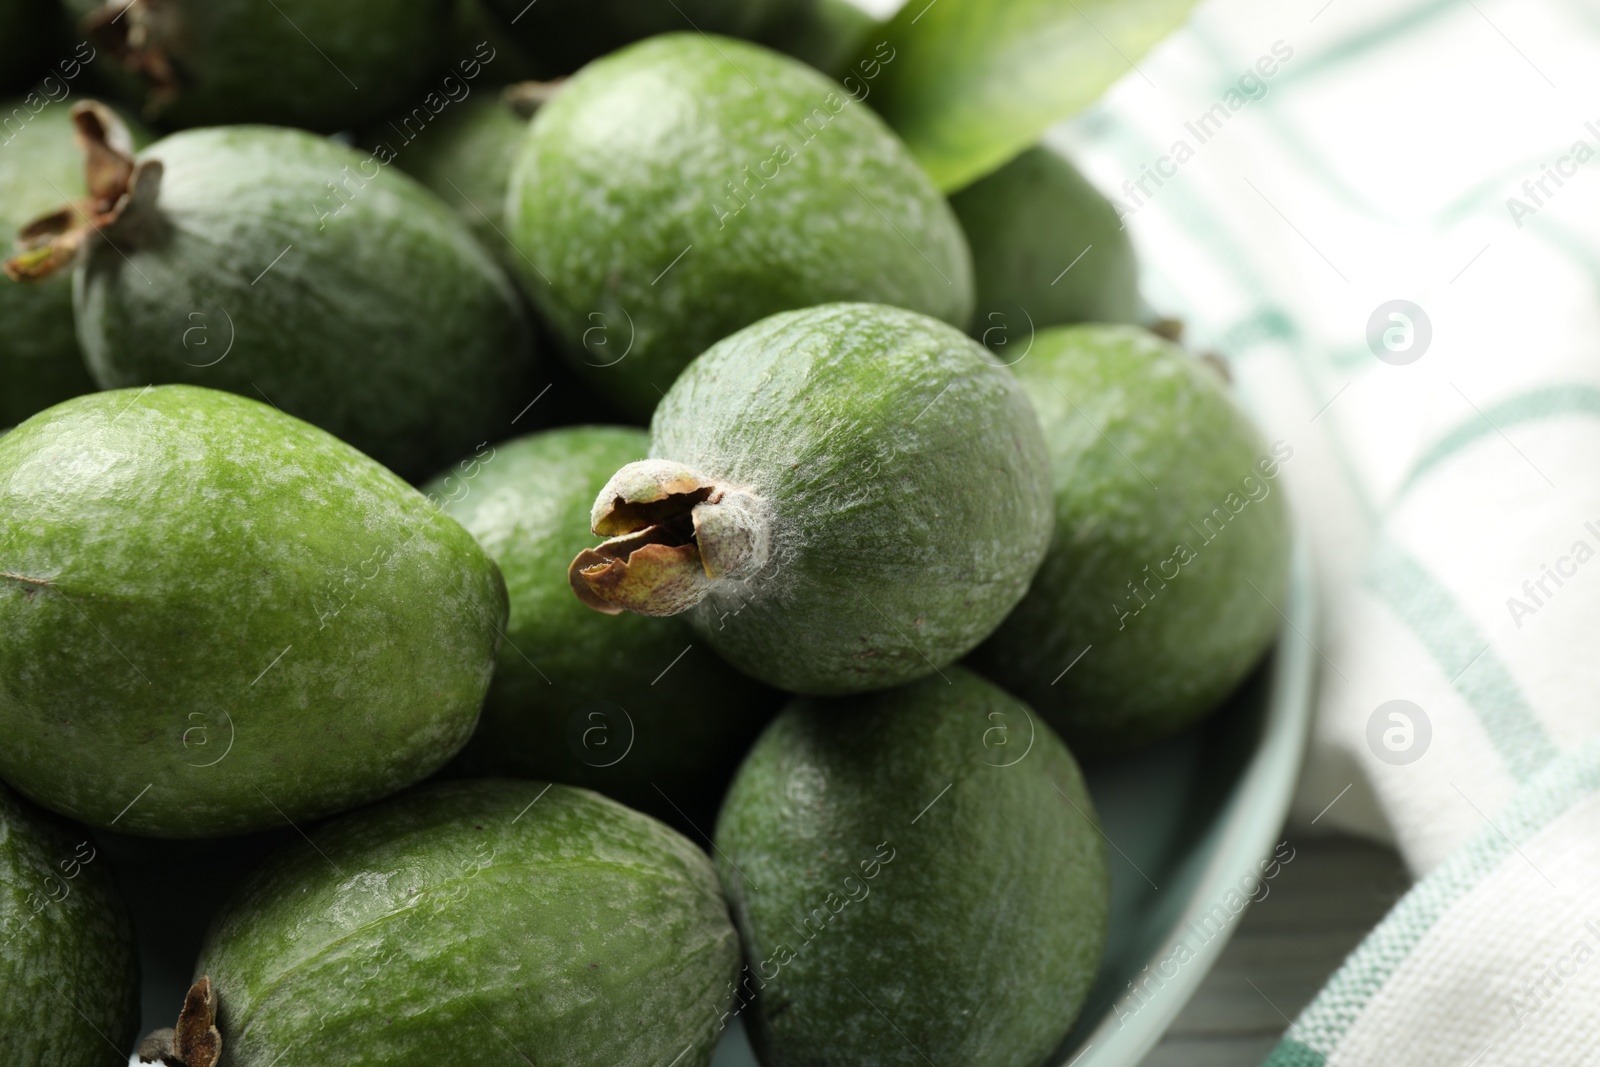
{"x": 563, "y": 35}
{"x": 917, "y": 877}
{"x": 470, "y": 922}
{"x": 1047, "y": 248}
{"x": 218, "y": 617}
{"x": 67, "y": 961}
{"x": 686, "y": 187}
{"x": 465, "y": 156}
{"x": 1171, "y": 546}
{"x": 323, "y": 66}
{"x": 842, "y": 498}
{"x": 287, "y": 267}
{"x": 635, "y": 707}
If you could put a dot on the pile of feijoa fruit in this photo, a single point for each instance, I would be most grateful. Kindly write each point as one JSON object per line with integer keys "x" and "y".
{"x": 609, "y": 528}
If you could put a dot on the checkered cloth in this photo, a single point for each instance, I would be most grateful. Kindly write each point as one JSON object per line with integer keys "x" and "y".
{"x": 1386, "y": 215}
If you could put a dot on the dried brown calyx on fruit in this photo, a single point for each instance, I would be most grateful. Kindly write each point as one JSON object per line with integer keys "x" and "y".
{"x": 673, "y": 533}
{"x": 121, "y": 190}
{"x": 1168, "y": 327}
{"x": 136, "y": 33}
{"x": 525, "y": 98}
{"x": 195, "y": 1041}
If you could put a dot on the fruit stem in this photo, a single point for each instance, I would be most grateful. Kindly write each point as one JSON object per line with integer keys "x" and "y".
{"x": 674, "y": 533}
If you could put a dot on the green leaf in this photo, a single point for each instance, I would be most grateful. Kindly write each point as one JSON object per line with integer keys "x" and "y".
{"x": 971, "y": 83}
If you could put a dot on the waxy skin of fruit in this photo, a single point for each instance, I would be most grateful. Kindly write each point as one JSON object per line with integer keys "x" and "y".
{"x": 477, "y": 922}
{"x": 563, "y": 35}
{"x": 843, "y": 498}
{"x": 1171, "y": 543}
{"x": 637, "y": 708}
{"x": 286, "y": 267}
{"x": 683, "y": 188}
{"x": 67, "y": 961}
{"x": 917, "y": 877}
{"x": 323, "y": 66}
{"x": 219, "y": 618}
{"x": 1047, "y": 248}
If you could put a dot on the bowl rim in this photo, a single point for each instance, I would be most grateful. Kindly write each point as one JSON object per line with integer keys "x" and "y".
{"x": 1251, "y": 820}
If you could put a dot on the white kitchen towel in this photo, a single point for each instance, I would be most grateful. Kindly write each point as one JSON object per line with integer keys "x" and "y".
{"x": 1386, "y": 215}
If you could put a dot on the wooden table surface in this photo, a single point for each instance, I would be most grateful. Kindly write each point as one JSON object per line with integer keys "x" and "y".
{"x": 1320, "y": 906}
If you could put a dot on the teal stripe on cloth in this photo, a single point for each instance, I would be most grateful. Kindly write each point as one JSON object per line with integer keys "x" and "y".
{"x": 1542, "y": 403}
{"x": 1557, "y": 236}
{"x": 1291, "y": 1053}
{"x": 1286, "y": 133}
{"x": 1314, "y": 1037}
{"x": 1486, "y": 198}
{"x": 1463, "y": 654}
{"x": 1360, "y": 45}
{"x": 1489, "y": 195}
{"x": 1265, "y": 325}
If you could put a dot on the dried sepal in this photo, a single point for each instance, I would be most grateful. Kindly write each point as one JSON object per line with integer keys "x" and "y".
{"x": 107, "y": 154}
{"x": 48, "y": 244}
{"x": 159, "y": 1047}
{"x": 526, "y": 98}
{"x": 119, "y": 187}
{"x": 196, "y": 1040}
{"x": 136, "y": 32}
{"x": 673, "y": 533}
{"x": 645, "y": 493}
{"x": 656, "y": 571}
